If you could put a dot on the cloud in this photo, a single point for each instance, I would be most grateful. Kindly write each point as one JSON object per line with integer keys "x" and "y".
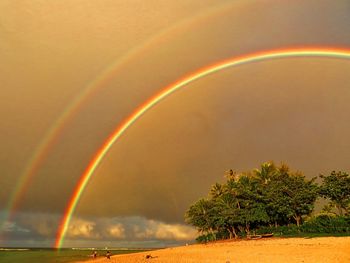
{"x": 101, "y": 231}
{"x": 12, "y": 227}
{"x": 40, "y": 224}
{"x": 175, "y": 232}
{"x": 81, "y": 228}
{"x": 133, "y": 231}
{"x": 162, "y": 231}
{"x": 128, "y": 228}
{"x": 117, "y": 231}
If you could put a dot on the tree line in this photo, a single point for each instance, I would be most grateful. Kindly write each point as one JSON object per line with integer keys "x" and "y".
{"x": 271, "y": 199}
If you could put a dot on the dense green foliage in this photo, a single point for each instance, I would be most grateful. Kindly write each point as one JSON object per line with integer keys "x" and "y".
{"x": 271, "y": 199}
{"x": 336, "y": 187}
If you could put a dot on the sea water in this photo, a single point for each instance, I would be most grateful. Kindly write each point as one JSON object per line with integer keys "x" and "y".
{"x": 50, "y": 255}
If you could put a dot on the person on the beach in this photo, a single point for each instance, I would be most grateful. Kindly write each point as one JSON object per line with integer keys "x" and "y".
{"x": 95, "y": 254}
{"x": 108, "y": 255}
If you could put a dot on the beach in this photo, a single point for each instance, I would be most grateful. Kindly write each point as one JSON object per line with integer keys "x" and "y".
{"x": 286, "y": 250}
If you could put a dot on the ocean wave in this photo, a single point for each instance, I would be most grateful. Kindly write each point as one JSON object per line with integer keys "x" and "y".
{"x": 14, "y": 249}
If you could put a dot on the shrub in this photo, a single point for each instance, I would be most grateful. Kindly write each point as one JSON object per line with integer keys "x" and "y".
{"x": 279, "y": 230}
{"x": 205, "y": 238}
{"x": 327, "y": 223}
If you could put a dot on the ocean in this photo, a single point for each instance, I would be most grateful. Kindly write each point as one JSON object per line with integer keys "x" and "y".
{"x": 50, "y": 255}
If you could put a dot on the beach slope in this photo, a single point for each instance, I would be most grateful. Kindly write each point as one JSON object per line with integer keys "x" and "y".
{"x": 286, "y": 250}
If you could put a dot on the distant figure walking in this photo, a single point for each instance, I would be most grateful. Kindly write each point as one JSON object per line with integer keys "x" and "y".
{"x": 108, "y": 255}
{"x": 95, "y": 254}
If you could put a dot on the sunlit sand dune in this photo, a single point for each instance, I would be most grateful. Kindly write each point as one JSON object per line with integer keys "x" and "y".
{"x": 323, "y": 249}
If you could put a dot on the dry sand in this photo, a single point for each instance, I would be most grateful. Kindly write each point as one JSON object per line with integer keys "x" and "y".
{"x": 281, "y": 250}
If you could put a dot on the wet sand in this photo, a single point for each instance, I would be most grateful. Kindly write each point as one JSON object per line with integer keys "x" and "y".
{"x": 285, "y": 250}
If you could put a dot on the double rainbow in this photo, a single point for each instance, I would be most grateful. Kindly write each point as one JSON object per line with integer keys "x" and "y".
{"x": 341, "y": 53}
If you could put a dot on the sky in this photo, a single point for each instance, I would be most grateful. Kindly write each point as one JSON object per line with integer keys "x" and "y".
{"x": 79, "y": 68}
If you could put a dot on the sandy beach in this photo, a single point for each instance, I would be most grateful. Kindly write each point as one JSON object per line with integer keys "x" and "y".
{"x": 286, "y": 250}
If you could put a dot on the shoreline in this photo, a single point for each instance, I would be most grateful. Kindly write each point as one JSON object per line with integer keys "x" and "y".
{"x": 286, "y": 250}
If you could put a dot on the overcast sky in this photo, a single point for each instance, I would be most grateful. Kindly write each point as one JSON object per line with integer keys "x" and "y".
{"x": 293, "y": 110}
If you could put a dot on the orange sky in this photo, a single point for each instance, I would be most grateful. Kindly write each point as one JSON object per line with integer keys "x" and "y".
{"x": 292, "y": 110}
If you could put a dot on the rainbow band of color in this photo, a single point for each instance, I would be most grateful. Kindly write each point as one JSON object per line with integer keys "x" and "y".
{"x": 142, "y": 109}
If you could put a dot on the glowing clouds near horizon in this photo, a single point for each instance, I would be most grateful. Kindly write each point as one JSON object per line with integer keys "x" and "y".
{"x": 121, "y": 231}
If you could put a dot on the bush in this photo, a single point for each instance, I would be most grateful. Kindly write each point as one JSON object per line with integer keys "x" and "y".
{"x": 326, "y": 223}
{"x": 279, "y": 231}
{"x": 205, "y": 238}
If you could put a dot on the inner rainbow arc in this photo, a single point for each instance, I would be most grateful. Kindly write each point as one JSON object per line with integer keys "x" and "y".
{"x": 170, "y": 89}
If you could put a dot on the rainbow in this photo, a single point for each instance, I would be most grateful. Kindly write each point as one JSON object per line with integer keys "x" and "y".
{"x": 57, "y": 128}
{"x": 341, "y": 53}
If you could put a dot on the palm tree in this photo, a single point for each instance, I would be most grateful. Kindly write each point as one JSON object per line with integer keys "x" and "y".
{"x": 202, "y": 215}
{"x": 267, "y": 170}
{"x": 216, "y": 190}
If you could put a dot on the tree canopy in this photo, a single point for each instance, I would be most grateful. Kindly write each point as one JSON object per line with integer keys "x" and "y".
{"x": 268, "y": 196}
{"x": 336, "y": 187}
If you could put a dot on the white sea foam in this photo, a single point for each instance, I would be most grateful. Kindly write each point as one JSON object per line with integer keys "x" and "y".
{"x": 14, "y": 249}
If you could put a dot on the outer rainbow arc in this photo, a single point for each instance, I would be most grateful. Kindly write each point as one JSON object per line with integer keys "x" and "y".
{"x": 170, "y": 89}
